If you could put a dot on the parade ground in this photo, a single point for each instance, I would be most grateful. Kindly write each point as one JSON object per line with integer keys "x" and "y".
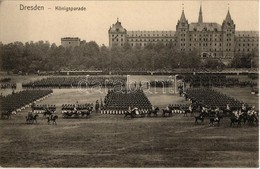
{"x": 109, "y": 140}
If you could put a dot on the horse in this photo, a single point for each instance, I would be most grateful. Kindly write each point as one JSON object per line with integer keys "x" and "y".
{"x": 234, "y": 119}
{"x": 154, "y": 112}
{"x": 53, "y": 119}
{"x": 67, "y": 113}
{"x": 200, "y": 117}
{"x": 252, "y": 117}
{"x": 70, "y": 113}
{"x": 6, "y": 114}
{"x": 186, "y": 111}
{"x": 31, "y": 118}
{"x": 47, "y": 112}
{"x": 85, "y": 112}
{"x": 129, "y": 113}
{"x": 169, "y": 112}
{"x": 216, "y": 119}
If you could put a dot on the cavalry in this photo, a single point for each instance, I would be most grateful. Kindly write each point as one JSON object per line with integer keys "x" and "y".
{"x": 237, "y": 116}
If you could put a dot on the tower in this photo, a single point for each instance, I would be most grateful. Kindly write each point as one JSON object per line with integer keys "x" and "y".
{"x": 200, "y": 20}
{"x": 117, "y": 35}
{"x": 182, "y": 29}
{"x": 228, "y": 37}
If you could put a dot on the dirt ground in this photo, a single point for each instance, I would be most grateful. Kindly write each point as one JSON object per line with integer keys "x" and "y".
{"x": 112, "y": 141}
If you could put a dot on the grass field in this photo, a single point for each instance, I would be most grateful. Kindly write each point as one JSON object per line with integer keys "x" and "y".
{"x": 112, "y": 141}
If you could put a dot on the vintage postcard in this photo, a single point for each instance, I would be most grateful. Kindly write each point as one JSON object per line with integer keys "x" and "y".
{"x": 131, "y": 84}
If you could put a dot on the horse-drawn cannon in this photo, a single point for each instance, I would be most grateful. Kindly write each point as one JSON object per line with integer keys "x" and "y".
{"x": 76, "y": 113}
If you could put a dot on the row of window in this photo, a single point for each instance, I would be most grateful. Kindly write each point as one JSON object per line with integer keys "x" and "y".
{"x": 244, "y": 50}
{"x": 145, "y": 44}
{"x": 150, "y": 40}
{"x": 253, "y": 39}
{"x": 205, "y": 35}
{"x": 253, "y": 44}
{"x": 204, "y": 39}
{"x": 114, "y": 35}
{"x": 141, "y": 35}
{"x": 183, "y": 44}
{"x": 205, "y": 44}
{"x": 113, "y": 40}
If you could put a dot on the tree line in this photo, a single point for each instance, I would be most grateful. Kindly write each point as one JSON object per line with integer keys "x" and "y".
{"x": 43, "y": 56}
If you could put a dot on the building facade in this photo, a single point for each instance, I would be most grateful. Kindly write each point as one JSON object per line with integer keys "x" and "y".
{"x": 70, "y": 42}
{"x": 210, "y": 39}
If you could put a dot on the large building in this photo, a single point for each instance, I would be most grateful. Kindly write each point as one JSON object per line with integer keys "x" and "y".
{"x": 211, "y": 40}
{"x": 70, "y": 42}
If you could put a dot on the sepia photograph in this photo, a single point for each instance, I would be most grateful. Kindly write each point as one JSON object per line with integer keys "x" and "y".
{"x": 129, "y": 84}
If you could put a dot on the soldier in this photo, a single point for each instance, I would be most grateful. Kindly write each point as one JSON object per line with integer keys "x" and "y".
{"x": 97, "y": 106}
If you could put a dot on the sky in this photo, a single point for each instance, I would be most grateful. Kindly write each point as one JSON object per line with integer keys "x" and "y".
{"x": 93, "y": 24}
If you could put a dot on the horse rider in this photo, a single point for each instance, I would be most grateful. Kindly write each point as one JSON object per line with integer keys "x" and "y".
{"x": 216, "y": 116}
{"x": 216, "y": 110}
{"x": 204, "y": 109}
{"x": 228, "y": 109}
{"x": 252, "y": 111}
{"x": 153, "y": 108}
{"x": 190, "y": 108}
{"x": 244, "y": 108}
{"x": 33, "y": 106}
{"x": 30, "y": 115}
{"x": 167, "y": 108}
{"x": 136, "y": 110}
{"x": 129, "y": 109}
